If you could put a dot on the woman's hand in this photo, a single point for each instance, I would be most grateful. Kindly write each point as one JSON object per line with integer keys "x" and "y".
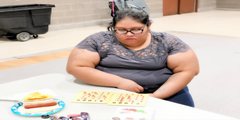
{"x": 130, "y": 85}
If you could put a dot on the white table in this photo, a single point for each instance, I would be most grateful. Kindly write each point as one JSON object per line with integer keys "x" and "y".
{"x": 66, "y": 87}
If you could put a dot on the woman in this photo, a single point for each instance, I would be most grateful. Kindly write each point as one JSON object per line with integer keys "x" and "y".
{"x": 131, "y": 57}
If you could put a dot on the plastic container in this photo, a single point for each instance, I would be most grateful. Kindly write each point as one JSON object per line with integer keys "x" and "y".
{"x": 21, "y": 21}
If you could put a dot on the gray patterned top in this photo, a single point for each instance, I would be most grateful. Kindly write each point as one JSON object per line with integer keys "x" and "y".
{"x": 147, "y": 67}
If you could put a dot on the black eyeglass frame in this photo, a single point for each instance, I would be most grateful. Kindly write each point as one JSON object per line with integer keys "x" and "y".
{"x": 126, "y": 31}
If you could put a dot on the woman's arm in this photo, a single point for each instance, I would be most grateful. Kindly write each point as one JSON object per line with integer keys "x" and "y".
{"x": 185, "y": 66}
{"x": 81, "y": 64}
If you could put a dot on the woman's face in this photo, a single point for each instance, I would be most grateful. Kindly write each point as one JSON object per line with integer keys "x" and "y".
{"x": 131, "y": 40}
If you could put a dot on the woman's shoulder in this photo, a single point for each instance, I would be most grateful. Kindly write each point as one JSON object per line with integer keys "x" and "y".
{"x": 99, "y": 41}
{"x": 165, "y": 37}
{"x": 171, "y": 42}
{"x": 102, "y": 36}
{"x": 160, "y": 35}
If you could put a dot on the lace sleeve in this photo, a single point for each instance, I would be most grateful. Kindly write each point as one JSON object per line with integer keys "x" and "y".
{"x": 88, "y": 43}
{"x": 98, "y": 42}
{"x": 174, "y": 44}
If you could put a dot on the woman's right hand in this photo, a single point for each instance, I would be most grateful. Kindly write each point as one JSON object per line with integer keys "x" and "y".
{"x": 130, "y": 85}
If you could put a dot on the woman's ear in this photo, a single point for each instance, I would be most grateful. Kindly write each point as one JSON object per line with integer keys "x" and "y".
{"x": 150, "y": 23}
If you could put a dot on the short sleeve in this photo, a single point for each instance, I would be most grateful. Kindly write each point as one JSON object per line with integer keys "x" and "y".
{"x": 89, "y": 43}
{"x": 98, "y": 42}
{"x": 174, "y": 44}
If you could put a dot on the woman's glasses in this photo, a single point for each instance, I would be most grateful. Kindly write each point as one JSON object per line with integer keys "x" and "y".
{"x": 133, "y": 31}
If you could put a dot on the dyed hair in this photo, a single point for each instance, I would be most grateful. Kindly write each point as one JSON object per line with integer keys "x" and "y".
{"x": 132, "y": 13}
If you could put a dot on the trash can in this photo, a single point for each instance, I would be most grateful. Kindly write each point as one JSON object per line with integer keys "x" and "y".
{"x": 21, "y": 21}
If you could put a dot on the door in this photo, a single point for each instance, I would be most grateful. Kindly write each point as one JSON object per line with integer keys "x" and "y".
{"x": 170, "y": 7}
{"x": 186, "y": 6}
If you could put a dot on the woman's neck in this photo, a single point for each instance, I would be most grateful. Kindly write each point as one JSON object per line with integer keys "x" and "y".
{"x": 143, "y": 45}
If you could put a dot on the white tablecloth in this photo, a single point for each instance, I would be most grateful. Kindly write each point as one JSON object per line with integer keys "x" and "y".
{"x": 66, "y": 87}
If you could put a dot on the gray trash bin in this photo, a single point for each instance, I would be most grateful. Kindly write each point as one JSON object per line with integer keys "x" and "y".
{"x": 21, "y": 21}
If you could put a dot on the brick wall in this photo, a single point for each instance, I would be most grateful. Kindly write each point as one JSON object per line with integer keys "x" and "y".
{"x": 155, "y": 7}
{"x": 205, "y": 5}
{"x": 228, "y": 4}
{"x": 80, "y": 13}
